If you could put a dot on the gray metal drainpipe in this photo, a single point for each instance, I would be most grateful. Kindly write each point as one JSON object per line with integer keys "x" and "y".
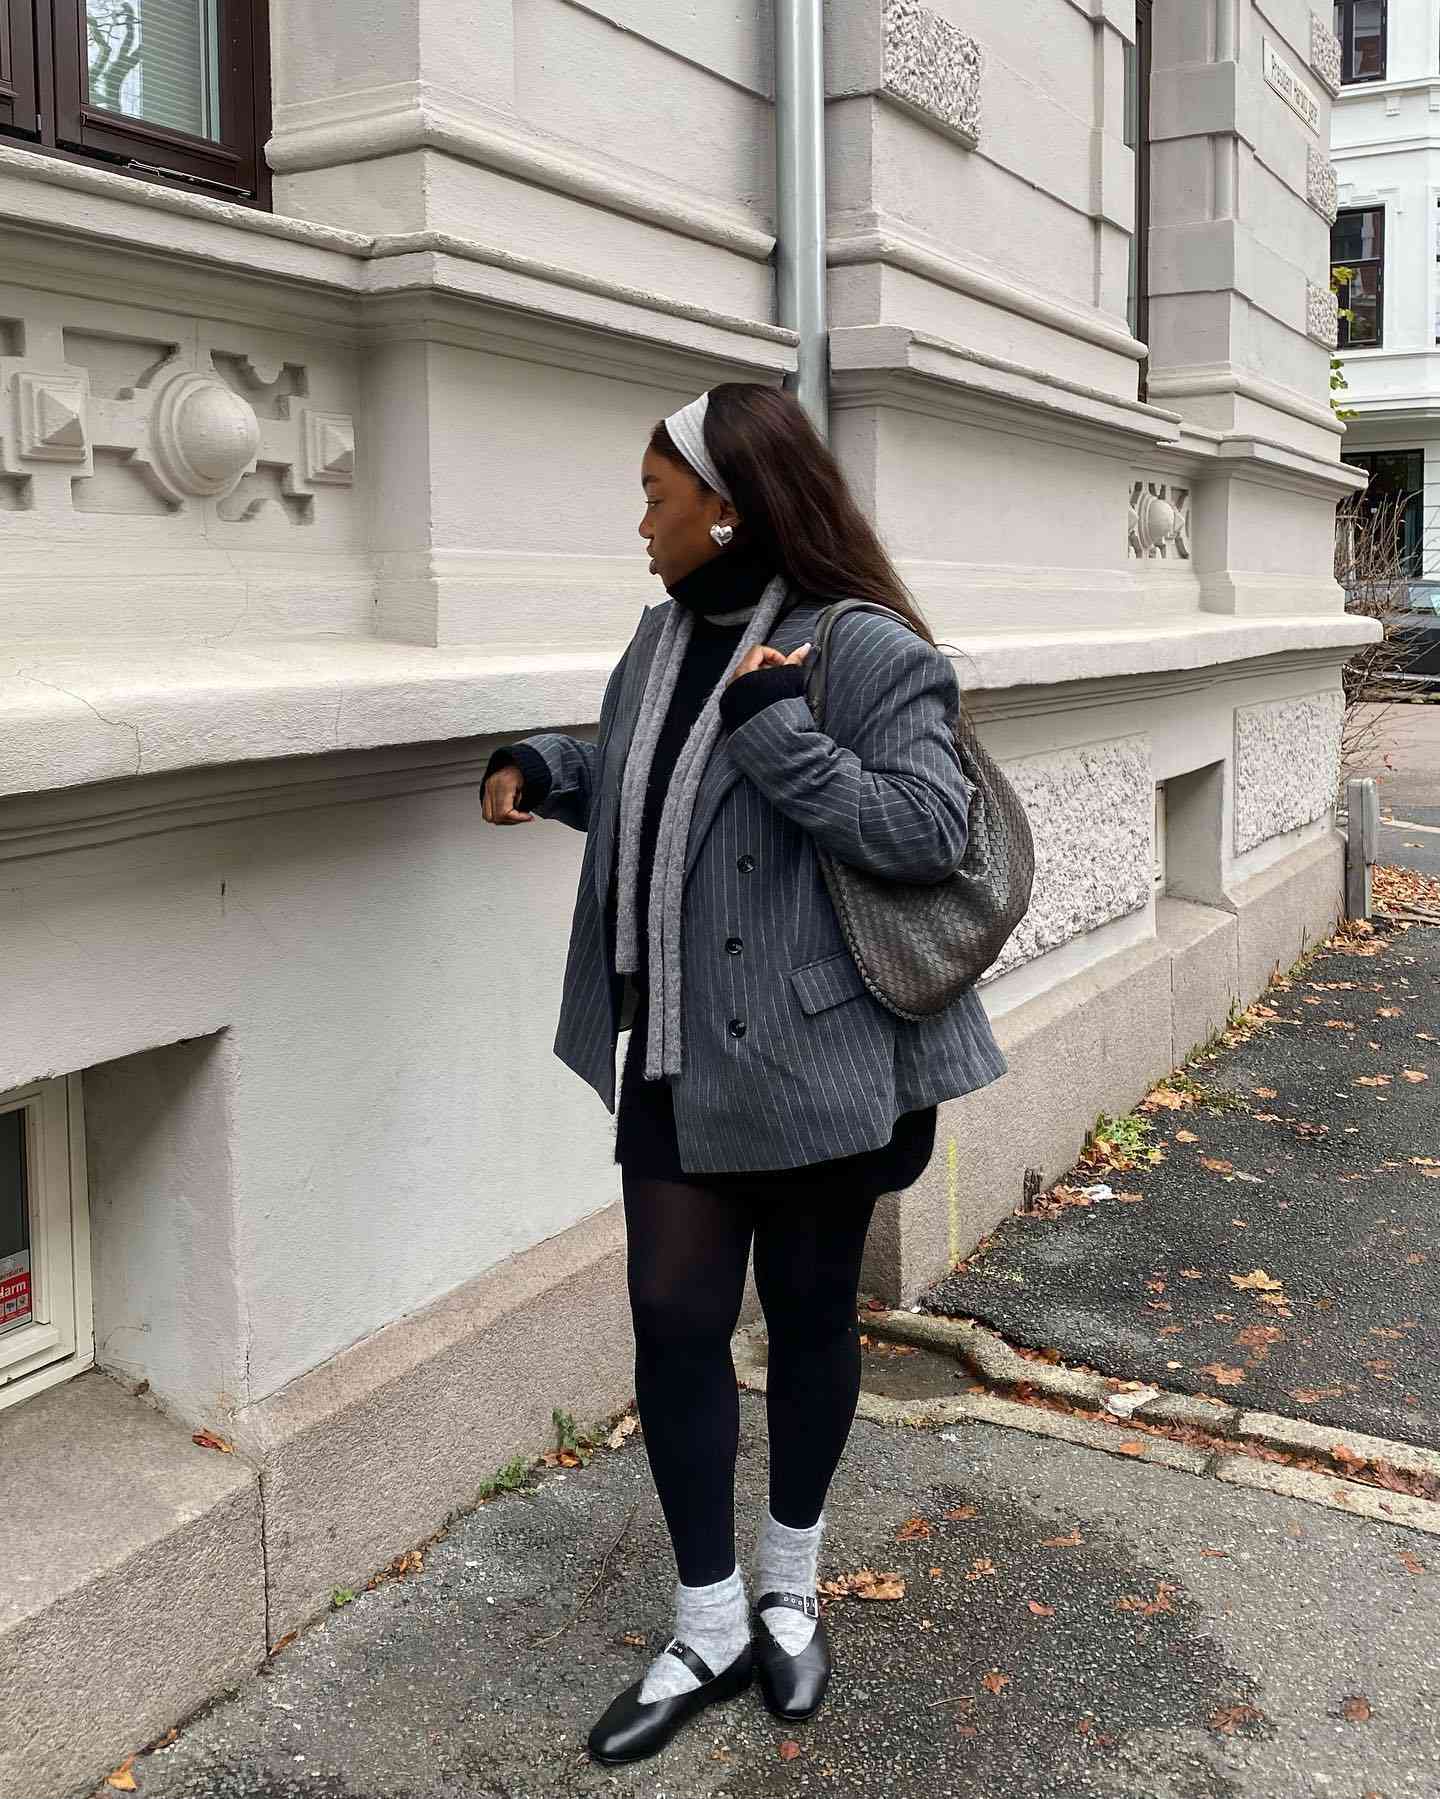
{"x": 800, "y": 193}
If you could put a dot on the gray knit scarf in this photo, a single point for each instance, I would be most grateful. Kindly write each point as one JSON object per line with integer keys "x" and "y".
{"x": 663, "y": 1045}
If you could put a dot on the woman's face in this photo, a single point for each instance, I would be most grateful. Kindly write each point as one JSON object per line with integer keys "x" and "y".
{"x": 679, "y": 511}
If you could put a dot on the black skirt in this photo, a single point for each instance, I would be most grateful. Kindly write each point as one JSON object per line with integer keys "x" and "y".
{"x": 646, "y": 1144}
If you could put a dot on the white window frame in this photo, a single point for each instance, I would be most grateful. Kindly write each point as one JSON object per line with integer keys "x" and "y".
{"x": 59, "y": 1341}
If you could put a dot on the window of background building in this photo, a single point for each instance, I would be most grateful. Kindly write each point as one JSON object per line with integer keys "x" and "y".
{"x": 1357, "y": 243}
{"x": 173, "y": 90}
{"x": 46, "y": 1321}
{"x": 1137, "y": 136}
{"x": 1360, "y": 27}
{"x": 1397, "y": 480}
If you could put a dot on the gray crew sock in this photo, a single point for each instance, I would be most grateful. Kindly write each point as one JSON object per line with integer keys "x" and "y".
{"x": 715, "y": 1622}
{"x": 786, "y": 1561}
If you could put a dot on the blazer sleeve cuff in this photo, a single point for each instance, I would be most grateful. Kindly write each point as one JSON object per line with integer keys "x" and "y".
{"x": 534, "y": 772}
{"x": 752, "y": 693}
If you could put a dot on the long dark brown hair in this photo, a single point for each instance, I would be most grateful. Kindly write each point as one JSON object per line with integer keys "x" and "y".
{"x": 793, "y": 501}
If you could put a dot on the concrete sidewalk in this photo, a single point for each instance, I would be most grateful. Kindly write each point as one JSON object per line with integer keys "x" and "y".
{"x": 1071, "y": 1625}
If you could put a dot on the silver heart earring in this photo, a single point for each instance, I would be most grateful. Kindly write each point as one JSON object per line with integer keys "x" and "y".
{"x": 722, "y": 534}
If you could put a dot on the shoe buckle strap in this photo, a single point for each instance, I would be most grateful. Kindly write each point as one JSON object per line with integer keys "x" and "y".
{"x": 695, "y": 1663}
{"x": 798, "y": 1602}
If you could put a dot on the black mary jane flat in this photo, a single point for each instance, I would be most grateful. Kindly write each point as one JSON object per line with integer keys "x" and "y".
{"x": 792, "y": 1685}
{"x": 628, "y": 1730}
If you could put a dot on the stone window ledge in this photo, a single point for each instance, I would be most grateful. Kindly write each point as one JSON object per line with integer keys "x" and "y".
{"x": 133, "y": 1562}
{"x": 76, "y": 713}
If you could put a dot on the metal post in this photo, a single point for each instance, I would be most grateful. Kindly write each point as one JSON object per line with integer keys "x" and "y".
{"x": 800, "y": 194}
{"x": 1362, "y": 844}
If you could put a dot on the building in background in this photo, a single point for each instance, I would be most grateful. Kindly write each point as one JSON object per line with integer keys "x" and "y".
{"x": 327, "y": 356}
{"x": 1385, "y": 139}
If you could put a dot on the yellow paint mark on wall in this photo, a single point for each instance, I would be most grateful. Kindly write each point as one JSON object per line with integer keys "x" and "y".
{"x": 952, "y": 1188}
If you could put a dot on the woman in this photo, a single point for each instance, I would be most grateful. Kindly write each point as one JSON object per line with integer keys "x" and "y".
{"x": 765, "y": 1094}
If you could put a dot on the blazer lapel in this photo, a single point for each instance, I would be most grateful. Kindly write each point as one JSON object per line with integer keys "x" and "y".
{"x": 721, "y": 772}
{"x": 617, "y": 745}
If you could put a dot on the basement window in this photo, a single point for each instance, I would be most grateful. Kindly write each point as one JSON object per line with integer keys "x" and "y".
{"x": 1159, "y": 839}
{"x": 46, "y": 1332}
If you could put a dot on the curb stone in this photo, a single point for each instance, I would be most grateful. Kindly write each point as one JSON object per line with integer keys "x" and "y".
{"x": 985, "y": 1352}
{"x": 1320, "y": 1439}
{"x": 1331, "y": 1490}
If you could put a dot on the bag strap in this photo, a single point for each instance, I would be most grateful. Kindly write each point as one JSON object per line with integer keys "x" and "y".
{"x": 817, "y": 667}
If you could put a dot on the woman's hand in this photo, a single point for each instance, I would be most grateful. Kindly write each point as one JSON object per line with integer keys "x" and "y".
{"x": 501, "y": 798}
{"x": 761, "y": 655}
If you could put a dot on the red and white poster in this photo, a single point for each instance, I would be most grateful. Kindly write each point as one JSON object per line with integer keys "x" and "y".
{"x": 14, "y": 1290}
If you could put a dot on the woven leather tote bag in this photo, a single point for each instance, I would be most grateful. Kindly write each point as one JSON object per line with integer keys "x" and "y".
{"x": 919, "y": 945}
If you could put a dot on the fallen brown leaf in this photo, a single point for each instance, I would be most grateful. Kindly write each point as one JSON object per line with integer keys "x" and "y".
{"x": 912, "y": 1530}
{"x": 207, "y": 1439}
{"x": 1186, "y": 1137}
{"x": 994, "y": 1681}
{"x": 1257, "y": 1279}
{"x": 1040, "y": 1611}
{"x": 1372, "y": 1080}
{"x": 1223, "y": 1376}
{"x": 789, "y": 1749}
{"x": 1413, "y": 1074}
{"x": 1356, "y": 1709}
{"x": 1162, "y": 1602}
{"x": 1132, "y": 1448}
{"x": 622, "y": 1430}
{"x": 959, "y": 1513}
{"x": 1265, "y": 1092}
{"x": 1411, "y": 1563}
{"x": 122, "y": 1779}
{"x": 1229, "y": 1718}
{"x": 1073, "y": 1541}
{"x": 865, "y": 1583}
{"x": 1217, "y": 1164}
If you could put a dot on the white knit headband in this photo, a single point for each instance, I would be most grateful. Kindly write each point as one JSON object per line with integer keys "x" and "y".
{"x": 687, "y": 433}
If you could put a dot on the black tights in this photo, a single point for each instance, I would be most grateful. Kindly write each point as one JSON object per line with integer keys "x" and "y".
{"x": 687, "y": 1251}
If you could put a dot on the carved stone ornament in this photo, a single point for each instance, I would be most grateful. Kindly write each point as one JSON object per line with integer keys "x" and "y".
{"x": 203, "y": 436}
{"x": 1321, "y": 184}
{"x": 1159, "y": 522}
{"x": 1325, "y": 54}
{"x": 329, "y": 448}
{"x": 933, "y": 67}
{"x": 50, "y": 410}
{"x": 1322, "y": 315}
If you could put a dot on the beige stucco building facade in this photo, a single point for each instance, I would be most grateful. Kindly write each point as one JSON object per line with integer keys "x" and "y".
{"x": 303, "y": 511}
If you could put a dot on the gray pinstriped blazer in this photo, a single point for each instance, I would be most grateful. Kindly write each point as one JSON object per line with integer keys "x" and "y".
{"x": 787, "y": 1058}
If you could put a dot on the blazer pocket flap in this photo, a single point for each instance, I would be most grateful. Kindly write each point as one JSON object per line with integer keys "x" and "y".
{"x": 827, "y": 982}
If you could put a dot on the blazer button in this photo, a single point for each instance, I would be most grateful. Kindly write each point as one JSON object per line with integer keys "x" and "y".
{"x": 737, "y": 1027}
{"x": 745, "y": 864}
{"x": 733, "y": 946}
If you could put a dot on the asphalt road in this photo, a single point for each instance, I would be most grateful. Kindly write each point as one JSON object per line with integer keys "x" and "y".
{"x": 1320, "y": 1179}
{"x": 1401, "y": 751}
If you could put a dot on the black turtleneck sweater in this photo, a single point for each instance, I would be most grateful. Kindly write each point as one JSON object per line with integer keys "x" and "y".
{"x": 645, "y": 1135}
